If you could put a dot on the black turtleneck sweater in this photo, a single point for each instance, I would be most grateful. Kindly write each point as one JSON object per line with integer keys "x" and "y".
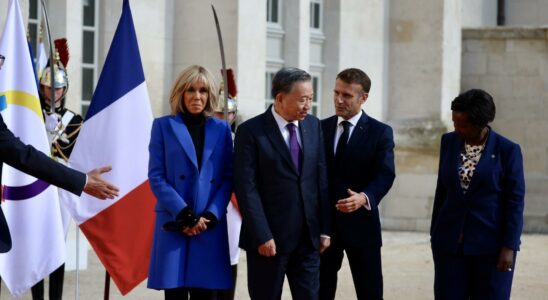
{"x": 196, "y": 128}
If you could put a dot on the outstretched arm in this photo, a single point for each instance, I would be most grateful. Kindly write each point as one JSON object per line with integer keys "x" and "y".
{"x": 97, "y": 186}
{"x": 27, "y": 159}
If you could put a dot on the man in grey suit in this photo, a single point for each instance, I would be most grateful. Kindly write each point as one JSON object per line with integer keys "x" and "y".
{"x": 280, "y": 182}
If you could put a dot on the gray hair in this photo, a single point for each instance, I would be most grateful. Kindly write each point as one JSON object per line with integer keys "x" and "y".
{"x": 285, "y": 78}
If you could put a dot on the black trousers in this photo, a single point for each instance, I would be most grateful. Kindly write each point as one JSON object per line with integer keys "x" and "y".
{"x": 190, "y": 293}
{"x": 459, "y": 277}
{"x": 365, "y": 265}
{"x": 265, "y": 275}
{"x": 56, "y": 280}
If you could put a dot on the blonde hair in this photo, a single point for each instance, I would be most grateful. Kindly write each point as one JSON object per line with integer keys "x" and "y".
{"x": 185, "y": 79}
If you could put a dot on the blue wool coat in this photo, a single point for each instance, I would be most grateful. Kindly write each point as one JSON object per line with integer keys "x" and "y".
{"x": 177, "y": 260}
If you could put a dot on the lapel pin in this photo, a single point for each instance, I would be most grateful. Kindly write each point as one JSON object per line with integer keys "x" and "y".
{"x": 492, "y": 155}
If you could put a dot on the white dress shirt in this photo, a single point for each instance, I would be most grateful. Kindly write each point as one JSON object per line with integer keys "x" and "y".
{"x": 340, "y": 129}
{"x": 282, "y": 125}
{"x": 353, "y": 121}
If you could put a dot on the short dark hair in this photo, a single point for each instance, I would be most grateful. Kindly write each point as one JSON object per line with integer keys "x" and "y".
{"x": 285, "y": 78}
{"x": 477, "y": 104}
{"x": 354, "y": 75}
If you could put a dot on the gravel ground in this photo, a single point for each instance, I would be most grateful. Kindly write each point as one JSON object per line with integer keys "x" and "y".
{"x": 407, "y": 266}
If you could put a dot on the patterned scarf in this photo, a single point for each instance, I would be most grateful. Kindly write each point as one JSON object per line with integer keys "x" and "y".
{"x": 469, "y": 158}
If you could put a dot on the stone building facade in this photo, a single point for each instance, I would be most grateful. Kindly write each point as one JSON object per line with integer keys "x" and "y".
{"x": 420, "y": 54}
{"x": 512, "y": 63}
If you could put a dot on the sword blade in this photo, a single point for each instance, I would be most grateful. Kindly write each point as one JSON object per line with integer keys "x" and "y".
{"x": 51, "y": 62}
{"x": 225, "y": 76}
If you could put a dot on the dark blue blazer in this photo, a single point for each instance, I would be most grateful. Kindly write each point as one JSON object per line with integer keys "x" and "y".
{"x": 276, "y": 200}
{"x": 368, "y": 167}
{"x": 35, "y": 163}
{"x": 490, "y": 214}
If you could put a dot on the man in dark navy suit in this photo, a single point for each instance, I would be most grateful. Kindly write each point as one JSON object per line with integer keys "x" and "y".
{"x": 35, "y": 163}
{"x": 280, "y": 183}
{"x": 360, "y": 163}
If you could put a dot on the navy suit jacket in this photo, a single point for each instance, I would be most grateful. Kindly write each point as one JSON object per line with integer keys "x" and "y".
{"x": 490, "y": 214}
{"x": 276, "y": 200}
{"x": 368, "y": 167}
{"x": 35, "y": 163}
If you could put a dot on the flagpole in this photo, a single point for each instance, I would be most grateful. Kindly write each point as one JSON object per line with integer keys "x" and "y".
{"x": 77, "y": 288}
{"x": 107, "y": 286}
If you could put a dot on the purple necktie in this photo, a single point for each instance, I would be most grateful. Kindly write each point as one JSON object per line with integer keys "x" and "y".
{"x": 294, "y": 147}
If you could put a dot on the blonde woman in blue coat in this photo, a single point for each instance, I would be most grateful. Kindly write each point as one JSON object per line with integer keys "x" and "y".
{"x": 190, "y": 173}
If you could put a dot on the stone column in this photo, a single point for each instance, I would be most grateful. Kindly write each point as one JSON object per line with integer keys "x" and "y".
{"x": 66, "y": 21}
{"x": 424, "y": 77}
{"x": 154, "y": 26}
{"x": 243, "y": 24}
{"x": 251, "y": 57}
{"x": 331, "y": 47}
{"x": 511, "y": 64}
{"x": 296, "y": 23}
{"x": 477, "y": 13}
{"x": 357, "y": 36}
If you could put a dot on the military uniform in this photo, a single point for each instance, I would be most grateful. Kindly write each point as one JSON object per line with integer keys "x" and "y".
{"x": 63, "y": 127}
{"x": 65, "y": 136}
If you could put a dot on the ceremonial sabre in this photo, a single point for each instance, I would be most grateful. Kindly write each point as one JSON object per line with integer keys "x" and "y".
{"x": 225, "y": 77}
{"x": 51, "y": 62}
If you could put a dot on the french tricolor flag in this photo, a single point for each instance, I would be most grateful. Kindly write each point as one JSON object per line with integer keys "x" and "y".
{"x": 116, "y": 132}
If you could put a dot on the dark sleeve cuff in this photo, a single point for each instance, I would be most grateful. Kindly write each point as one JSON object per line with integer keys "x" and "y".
{"x": 212, "y": 219}
{"x": 187, "y": 217}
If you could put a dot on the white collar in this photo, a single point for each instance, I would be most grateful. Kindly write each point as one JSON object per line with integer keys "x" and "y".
{"x": 354, "y": 120}
{"x": 281, "y": 121}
